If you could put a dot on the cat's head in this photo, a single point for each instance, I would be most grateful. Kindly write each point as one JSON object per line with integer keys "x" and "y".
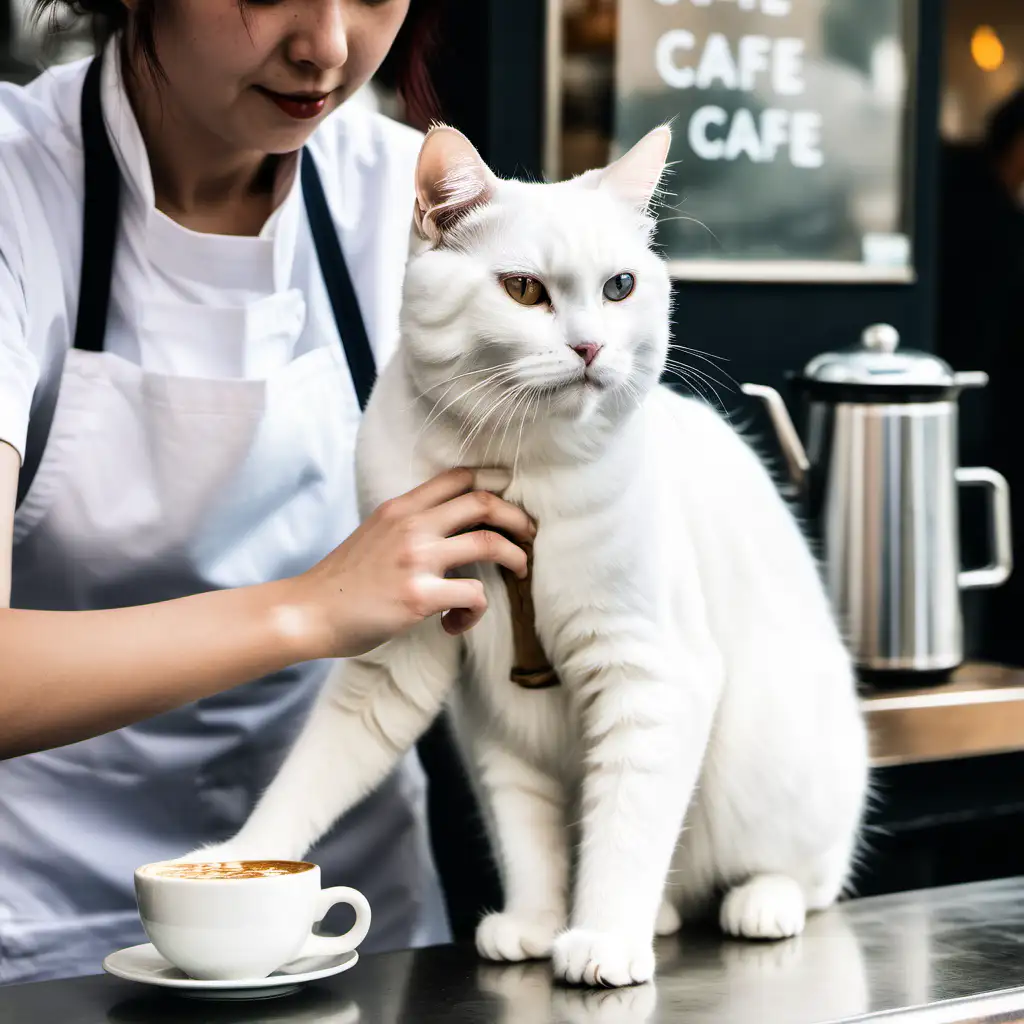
{"x": 529, "y": 305}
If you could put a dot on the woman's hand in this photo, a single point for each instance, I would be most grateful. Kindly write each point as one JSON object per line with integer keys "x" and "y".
{"x": 391, "y": 573}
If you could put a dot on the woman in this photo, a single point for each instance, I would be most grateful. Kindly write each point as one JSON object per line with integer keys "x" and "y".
{"x": 177, "y": 415}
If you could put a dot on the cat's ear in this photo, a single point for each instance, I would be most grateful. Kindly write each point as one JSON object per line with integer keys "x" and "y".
{"x": 635, "y": 176}
{"x": 451, "y": 180}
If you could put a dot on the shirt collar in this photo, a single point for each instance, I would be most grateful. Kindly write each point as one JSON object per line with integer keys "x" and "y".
{"x": 229, "y": 261}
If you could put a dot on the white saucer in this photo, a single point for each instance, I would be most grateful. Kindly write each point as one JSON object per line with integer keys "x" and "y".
{"x": 144, "y": 964}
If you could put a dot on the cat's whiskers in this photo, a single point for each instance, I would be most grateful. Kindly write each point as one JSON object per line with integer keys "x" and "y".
{"x": 693, "y": 385}
{"x": 496, "y": 378}
{"x": 451, "y": 381}
{"x": 696, "y": 378}
{"x": 707, "y": 357}
{"x": 508, "y": 408}
{"x": 500, "y": 404}
{"x": 677, "y": 364}
{"x": 472, "y": 426}
{"x": 534, "y": 404}
{"x": 518, "y": 409}
{"x": 631, "y": 392}
{"x": 524, "y": 399}
{"x": 470, "y": 416}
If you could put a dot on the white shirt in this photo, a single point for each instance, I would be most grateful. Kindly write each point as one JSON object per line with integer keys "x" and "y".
{"x": 271, "y": 282}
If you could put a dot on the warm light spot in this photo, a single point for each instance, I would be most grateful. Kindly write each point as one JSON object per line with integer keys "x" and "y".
{"x": 987, "y": 48}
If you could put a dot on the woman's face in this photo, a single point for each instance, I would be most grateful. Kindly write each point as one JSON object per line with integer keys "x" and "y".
{"x": 261, "y": 76}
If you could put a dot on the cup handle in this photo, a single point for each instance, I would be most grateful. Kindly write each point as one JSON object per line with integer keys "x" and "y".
{"x": 333, "y": 945}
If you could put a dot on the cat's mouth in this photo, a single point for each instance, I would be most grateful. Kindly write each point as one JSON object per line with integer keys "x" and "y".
{"x": 584, "y": 382}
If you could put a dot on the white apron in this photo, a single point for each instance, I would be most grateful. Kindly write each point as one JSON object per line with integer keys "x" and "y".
{"x": 153, "y": 486}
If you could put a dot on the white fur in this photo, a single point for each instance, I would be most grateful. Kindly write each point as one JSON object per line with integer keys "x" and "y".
{"x": 707, "y": 735}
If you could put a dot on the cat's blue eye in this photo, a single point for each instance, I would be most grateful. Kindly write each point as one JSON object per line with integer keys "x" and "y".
{"x": 619, "y": 287}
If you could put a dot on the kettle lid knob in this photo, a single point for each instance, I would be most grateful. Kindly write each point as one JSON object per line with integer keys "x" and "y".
{"x": 880, "y": 338}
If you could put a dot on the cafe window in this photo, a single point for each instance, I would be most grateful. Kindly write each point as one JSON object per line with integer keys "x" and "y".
{"x": 792, "y": 127}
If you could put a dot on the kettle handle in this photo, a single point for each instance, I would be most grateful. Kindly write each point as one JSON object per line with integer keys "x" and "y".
{"x": 998, "y": 571}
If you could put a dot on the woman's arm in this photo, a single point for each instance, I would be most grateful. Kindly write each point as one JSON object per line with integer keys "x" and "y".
{"x": 10, "y": 466}
{"x": 65, "y": 676}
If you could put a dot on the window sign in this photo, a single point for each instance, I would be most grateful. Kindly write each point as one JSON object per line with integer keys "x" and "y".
{"x": 791, "y": 131}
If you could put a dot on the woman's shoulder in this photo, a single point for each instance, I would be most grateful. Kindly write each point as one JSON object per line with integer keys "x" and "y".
{"x": 39, "y": 121}
{"x": 40, "y": 143}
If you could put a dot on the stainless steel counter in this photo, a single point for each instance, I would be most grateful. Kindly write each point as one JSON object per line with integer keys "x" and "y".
{"x": 947, "y": 956}
{"x": 940, "y": 956}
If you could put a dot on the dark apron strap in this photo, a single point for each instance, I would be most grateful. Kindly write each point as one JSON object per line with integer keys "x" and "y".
{"x": 339, "y": 284}
{"x": 101, "y": 218}
{"x": 100, "y": 225}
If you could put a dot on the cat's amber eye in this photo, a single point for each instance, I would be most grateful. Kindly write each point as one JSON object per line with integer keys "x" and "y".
{"x": 619, "y": 287}
{"x": 527, "y": 291}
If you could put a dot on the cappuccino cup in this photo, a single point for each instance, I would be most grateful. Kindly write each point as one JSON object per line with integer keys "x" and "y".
{"x": 241, "y": 920}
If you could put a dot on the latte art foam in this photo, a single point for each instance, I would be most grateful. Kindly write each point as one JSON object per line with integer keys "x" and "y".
{"x": 226, "y": 870}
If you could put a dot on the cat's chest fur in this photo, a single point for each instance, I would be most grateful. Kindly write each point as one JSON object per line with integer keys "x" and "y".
{"x": 573, "y": 560}
{"x": 538, "y": 724}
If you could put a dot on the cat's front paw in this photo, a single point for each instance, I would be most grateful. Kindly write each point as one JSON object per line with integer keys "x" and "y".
{"x": 766, "y": 907}
{"x": 232, "y": 851}
{"x": 601, "y": 958}
{"x": 518, "y": 936}
{"x": 219, "y": 853}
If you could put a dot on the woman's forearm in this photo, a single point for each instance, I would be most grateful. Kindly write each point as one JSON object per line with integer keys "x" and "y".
{"x": 66, "y": 676}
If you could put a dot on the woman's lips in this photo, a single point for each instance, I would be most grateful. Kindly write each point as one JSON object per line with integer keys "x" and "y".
{"x": 301, "y": 106}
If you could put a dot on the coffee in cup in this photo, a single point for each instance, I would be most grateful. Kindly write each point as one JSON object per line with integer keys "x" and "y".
{"x": 223, "y": 869}
{"x": 241, "y": 920}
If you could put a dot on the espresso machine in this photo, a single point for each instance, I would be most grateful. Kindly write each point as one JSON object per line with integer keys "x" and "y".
{"x": 876, "y": 471}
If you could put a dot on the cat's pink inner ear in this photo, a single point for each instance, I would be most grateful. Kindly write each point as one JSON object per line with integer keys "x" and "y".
{"x": 451, "y": 180}
{"x": 635, "y": 176}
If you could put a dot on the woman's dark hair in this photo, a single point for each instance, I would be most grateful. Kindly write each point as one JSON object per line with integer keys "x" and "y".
{"x": 405, "y": 69}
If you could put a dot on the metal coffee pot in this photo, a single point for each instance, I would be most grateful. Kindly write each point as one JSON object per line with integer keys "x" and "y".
{"x": 878, "y": 479}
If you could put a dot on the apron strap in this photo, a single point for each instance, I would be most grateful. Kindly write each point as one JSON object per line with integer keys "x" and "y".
{"x": 339, "y": 284}
{"x": 101, "y": 218}
{"x": 101, "y": 223}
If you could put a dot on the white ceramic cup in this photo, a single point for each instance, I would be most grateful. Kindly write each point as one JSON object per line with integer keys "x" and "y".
{"x": 229, "y": 929}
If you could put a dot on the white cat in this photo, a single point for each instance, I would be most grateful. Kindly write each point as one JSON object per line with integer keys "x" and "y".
{"x": 706, "y": 735}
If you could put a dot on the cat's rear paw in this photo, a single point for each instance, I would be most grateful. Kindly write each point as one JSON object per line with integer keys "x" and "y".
{"x": 766, "y": 907}
{"x": 518, "y": 936}
{"x": 668, "y": 921}
{"x": 601, "y": 958}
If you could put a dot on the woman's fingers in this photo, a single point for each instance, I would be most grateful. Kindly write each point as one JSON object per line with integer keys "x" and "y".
{"x": 446, "y": 486}
{"x": 481, "y": 546}
{"x": 466, "y": 602}
{"x": 480, "y": 508}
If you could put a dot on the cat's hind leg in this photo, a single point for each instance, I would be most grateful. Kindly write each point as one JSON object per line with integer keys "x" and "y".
{"x": 668, "y": 921}
{"x": 775, "y": 906}
{"x": 764, "y": 907}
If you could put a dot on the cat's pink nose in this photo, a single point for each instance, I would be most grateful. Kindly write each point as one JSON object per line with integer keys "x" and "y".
{"x": 587, "y": 351}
